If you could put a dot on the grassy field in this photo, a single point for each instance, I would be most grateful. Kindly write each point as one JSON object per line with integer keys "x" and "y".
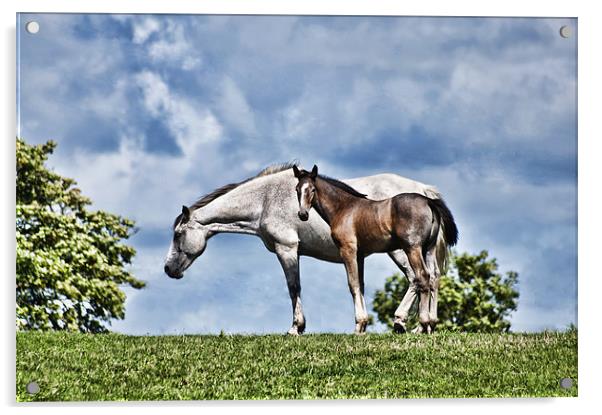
{"x": 77, "y": 367}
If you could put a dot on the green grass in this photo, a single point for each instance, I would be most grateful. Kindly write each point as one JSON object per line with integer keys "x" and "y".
{"x": 78, "y": 367}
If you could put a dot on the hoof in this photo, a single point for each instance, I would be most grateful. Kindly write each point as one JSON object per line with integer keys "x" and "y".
{"x": 418, "y": 330}
{"x": 399, "y": 327}
{"x": 297, "y": 328}
{"x": 360, "y": 327}
{"x": 293, "y": 331}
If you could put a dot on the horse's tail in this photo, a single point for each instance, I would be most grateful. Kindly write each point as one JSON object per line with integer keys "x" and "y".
{"x": 446, "y": 219}
{"x": 442, "y": 250}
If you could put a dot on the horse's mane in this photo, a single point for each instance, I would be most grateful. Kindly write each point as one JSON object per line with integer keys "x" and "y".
{"x": 343, "y": 186}
{"x": 220, "y": 191}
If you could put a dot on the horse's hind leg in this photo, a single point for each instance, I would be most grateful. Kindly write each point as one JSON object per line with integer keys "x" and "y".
{"x": 422, "y": 283}
{"x": 433, "y": 267}
{"x": 403, "y": 311}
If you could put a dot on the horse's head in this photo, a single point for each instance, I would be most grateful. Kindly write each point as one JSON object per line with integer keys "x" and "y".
{"x": 188, "y": 243}
{"x": 306, "y": 190}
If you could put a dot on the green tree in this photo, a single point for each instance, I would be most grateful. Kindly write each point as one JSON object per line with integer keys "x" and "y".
{"x": 71, "y": 262}
{"x": 473, "y": 296}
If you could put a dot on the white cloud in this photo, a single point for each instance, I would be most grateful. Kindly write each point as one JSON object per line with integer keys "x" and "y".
{"x": 234, "y": 108}
{"x": 519, "y": 110}
{"x": 109, "y": 104}
{"x": 362, "y": 109}
{"x": 147, "y": 187}
{"x": 191, "y": 123}
{"x": 164, "y": 40}
{"x": 404, "y": 75}
{"x": 191, "y": 62}
{"x": 173, "y": 46}
{"x": 143, "y": 28}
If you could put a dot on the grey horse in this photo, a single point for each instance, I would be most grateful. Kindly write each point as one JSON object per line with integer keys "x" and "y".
{"x": 266, "y": 206}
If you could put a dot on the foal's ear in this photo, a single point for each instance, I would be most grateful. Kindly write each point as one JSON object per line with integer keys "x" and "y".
{"x": 185, "y": 214}
{"x": 314, "y": 172}
{"x": 296, "y": 171}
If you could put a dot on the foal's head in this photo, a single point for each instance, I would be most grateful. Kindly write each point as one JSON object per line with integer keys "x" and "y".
{"x": 306, "y": 190}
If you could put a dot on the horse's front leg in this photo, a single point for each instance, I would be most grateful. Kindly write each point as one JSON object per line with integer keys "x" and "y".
{"x": 356, "y": 284}
{"x": 360, "y": 273}
{"x": 289, "y": 260}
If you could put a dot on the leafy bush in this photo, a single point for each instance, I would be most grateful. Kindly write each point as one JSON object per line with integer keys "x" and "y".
{"x": 70, "y": 260}
{"x": 473, "y": 296}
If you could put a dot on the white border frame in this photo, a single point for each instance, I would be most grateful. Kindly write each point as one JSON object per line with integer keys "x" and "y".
{"x": 589, "y": 104}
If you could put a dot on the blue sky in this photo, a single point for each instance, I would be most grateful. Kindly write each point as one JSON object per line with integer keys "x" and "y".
{"x": 152, "y": 111}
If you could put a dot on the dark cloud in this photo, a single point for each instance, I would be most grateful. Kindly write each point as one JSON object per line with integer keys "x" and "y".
{"x": 389, "y": 149}
{"x": 159, "y": 139}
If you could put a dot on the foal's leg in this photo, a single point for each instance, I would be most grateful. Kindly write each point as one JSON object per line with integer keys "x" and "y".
{"x": 422, "y": 282}
{"x": 350, "y": 258}
{"x": 360, "y": 272}
{"x": 289, "y": 259}
{"x": 433, "y": 267}
{"x": 403, "y": 311}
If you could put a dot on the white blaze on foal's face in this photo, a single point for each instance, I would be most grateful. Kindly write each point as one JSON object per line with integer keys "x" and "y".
{"x": 306, "y": 191}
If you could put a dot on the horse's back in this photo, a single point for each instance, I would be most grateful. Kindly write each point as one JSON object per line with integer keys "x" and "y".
{"x": 386, "y": 185}
{"x": 409, "y": 198}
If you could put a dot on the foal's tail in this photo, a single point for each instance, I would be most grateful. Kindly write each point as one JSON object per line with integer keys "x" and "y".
{"x": 450, "y": 230}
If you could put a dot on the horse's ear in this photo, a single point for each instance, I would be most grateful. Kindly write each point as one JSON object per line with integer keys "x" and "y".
{"x": 314, "y": 172}
{"x": 296, "y": 171}
{"x": 185, "y": 214}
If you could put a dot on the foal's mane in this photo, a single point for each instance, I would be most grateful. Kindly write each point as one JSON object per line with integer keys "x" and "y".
{"x": 343, "y": 186}
{"x": 220, "y": 191}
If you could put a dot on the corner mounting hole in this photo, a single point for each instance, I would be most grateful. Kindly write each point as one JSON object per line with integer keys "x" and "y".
{"x": 566, "y": 383}
{"x": 33, "y": 388}
{"x": 565, "y": 32}
{"x": 32, "y": 27}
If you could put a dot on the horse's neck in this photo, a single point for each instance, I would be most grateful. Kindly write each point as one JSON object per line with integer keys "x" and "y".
{"x": 237, "y": 211}
{"x": 330, "y": 199}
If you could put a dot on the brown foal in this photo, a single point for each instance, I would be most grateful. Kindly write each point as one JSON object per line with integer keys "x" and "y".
{"x": 360, "y": 227}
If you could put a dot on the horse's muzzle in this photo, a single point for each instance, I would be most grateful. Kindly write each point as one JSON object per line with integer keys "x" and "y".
{"x": 303, "y": 215}
{"x": 170, "y": 274}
